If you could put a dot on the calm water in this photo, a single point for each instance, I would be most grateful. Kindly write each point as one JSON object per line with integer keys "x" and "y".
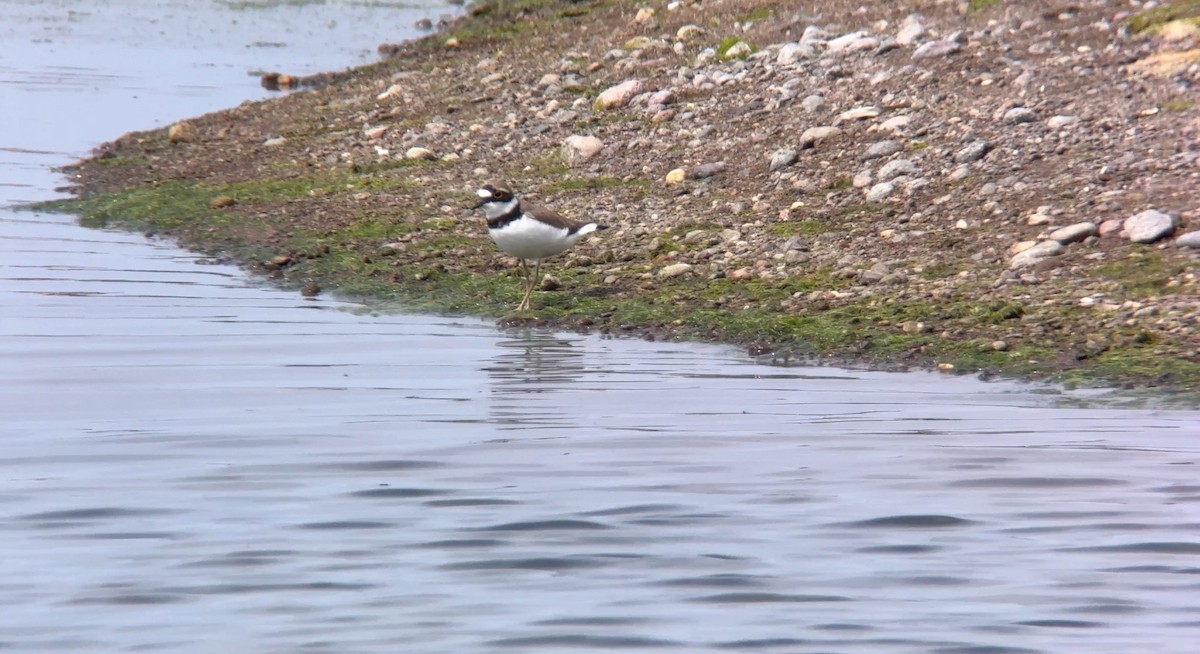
{"x": 190, "y": 461}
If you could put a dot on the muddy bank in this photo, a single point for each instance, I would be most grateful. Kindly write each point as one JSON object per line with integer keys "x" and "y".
{"x": 981, "y": 186}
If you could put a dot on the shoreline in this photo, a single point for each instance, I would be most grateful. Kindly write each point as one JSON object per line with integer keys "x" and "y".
{"x": 842, "y": 198}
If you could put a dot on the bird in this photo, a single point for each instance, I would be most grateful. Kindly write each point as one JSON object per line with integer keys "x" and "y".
{"x": 527, "y": 231}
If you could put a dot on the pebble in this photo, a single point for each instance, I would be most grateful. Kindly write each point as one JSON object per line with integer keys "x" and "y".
{"x": 880, "y": 192}
{"x": 741, "y": 274}
{"x": 782, "y": 159}
{"x": 852, "y": 43}
{"x": 674, "y": 270}
{"x": 1189, "y": 240}
{"x": 1018, "y": 115}
{"x": 739, "y": 50}
{"x": 619, "y": 95}
{"x": 275, "y": 141}
{"x": 790, "y": 53}
{"x": 704, "y": 171}
{"x": 577, "y": 149}
{"x": 181, "y": 133}
{"x": 914, "y": 185}
{"x": 1039, "y": 217}
{"x": 1149, "y": 226}
{"x": 1073, "y": 233}
{"x": 376, "y": 132}
{"x": 814, "y": 34}
{"x": 1059, "y": 122}
{"x": 898, "y": 167}
{"x": 663, "y": 97}
{"x": 857, "y": 113}
{"x": 222, "y": 201}
{"x": 675, "y": 176}
{"x": 1035, "y": 254}
{"x": 814, "y": 135}
{"x": 973, "y": 151}
{"x": 911, "y": 29}
{"x": 1112, "y": 226}
{"x": 895, "y": 123}
{"x": 812, "y": 103}
{"x": 885, "y": 148}
{"x": 1000, "y": 346}
{"x": 689, "y": 32}
{"x": 419, "y": 153}
{"x": 862, "y": 179}
{"x": 934, "y": 49}
{"x": 841, "y": 43}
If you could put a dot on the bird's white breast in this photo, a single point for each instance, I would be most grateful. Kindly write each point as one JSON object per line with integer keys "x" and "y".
{"x": 527, "y": 238}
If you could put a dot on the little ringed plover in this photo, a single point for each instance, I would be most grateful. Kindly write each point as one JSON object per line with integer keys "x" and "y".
{"x": 528, "y": 232}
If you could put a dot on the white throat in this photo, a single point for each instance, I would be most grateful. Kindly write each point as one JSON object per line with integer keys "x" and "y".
{"x": 494, "y": 210}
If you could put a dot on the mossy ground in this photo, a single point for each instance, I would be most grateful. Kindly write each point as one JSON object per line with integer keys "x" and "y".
{"x": 1187, "y": 10}
{"x": 350, "y": 259}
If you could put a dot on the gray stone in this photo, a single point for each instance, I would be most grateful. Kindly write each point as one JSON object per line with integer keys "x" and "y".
{"x": 783, "y": 159}
{"x": 814, "y": 135}
{"x": 674, "y": 270}
{"x": 665, "y": 96}
{"x": 790, "y": 53}
{"x": 911, "y": 29}
{"x": 1074, "y": 233}
{"x": 1033, "y": 255}
{"x": 1059, "y": 122}
{"x": 885, "y": 148}
{"x": 419, "y": 153}
{"x": 704, "y": 171}
{"x": 813, "y": 34}
{"x": 577, "y": 149}
{"x": 862, "y": 179}
{"x": 898, "y": 167}
{"x": 935, "y": 49}
{"x": 880, "y": 192}
{"x": 914, "y": 185}
{"x": 851, "y": 43}
{"x": 1112, "y": 226}
{"x": 1189, "y": 240}
{"x": 895, "y": 123}
{"x": 857, "y": 113}
{"x": 812, "y": 103}
{"x": 619, "y": 95}
{"x": 1149, "y": 226}
{"x": 973, "y": 151}
{"x": 1018, "y": 115}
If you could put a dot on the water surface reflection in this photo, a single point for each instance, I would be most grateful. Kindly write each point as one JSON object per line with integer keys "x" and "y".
{"x": 192, "y": 463}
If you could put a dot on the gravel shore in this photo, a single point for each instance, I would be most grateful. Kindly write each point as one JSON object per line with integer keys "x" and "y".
{"x": 984, "y": 185}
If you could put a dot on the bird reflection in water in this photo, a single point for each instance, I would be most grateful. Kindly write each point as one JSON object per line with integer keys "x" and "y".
{"x": 532, "y": 366}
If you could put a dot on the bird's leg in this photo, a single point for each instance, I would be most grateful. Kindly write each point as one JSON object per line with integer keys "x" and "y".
{"x": 533, "y": 281}
{"x": 525, "y": 286}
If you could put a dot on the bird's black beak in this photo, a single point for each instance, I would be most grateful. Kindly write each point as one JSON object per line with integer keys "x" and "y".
{"x": 480, "y": 203}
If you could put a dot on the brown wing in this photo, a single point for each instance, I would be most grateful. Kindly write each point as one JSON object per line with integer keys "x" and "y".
{"x": 552, "y": 218}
